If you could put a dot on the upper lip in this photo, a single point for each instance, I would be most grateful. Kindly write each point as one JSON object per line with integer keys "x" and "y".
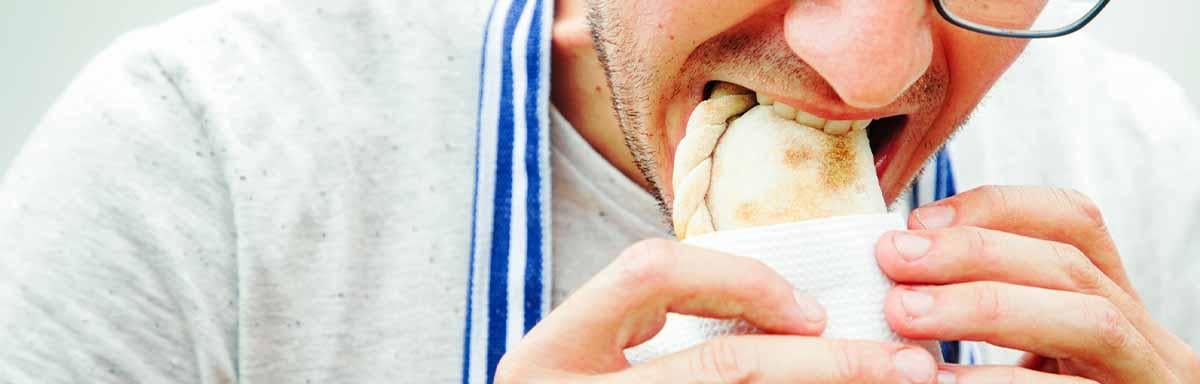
{"x": 826, "y": 106}
{"x": 830, "y": 111}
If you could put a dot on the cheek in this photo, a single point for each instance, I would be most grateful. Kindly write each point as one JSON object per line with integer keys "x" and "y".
{"x": 671, "y": 29}
{"x": 975, "y": 61}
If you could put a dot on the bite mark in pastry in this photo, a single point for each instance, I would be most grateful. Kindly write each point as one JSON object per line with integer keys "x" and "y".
{"x": 741, "y": 163}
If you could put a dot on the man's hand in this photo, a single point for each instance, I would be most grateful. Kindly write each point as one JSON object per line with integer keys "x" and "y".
{"x": 1032, "y": 269}
{"x": 626, "y": 304}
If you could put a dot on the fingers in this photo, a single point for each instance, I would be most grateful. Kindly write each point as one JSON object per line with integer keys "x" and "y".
{"x": 952, "y": 374}
{"x": 962, "y": 254}
{"x": 1086, "y": 329}
{"x": 1041, "y": 212}
{"x": 696, "y": 281}
{"x": 790, "y": 359}
{"x": 626, "y": 303}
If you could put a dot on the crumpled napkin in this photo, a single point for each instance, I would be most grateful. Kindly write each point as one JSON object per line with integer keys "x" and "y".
{"x": 832, "y": 260}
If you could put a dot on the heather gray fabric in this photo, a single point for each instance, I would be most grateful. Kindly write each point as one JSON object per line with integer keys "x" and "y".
{"x": 264, "y": 191}
{"x": 257, "y": 190}
{"x": 270, "y": 192}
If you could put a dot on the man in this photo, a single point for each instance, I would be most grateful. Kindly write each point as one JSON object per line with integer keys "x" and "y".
{"x": 282, "y": 192}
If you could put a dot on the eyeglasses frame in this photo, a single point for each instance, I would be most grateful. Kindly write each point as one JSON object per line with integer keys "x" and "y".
{"x": 1017, "y": 34}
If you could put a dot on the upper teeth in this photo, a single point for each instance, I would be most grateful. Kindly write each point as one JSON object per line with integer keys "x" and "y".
{"x": 832, "y": 127}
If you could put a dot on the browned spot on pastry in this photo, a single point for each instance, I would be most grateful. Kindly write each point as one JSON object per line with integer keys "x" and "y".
{"x": 796, "y": 157}
{"x": 837, "y": 166}
{"x": 747, "y": 212}
{"x": 781, "y": 212}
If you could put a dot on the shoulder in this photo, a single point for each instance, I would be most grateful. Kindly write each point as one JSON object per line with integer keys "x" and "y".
{"x": 1081, "y": 76}
{"x": 313, "y": 82}
{"x": 232, "y": 86}
{"x": 1077, "y": 100}
{"x": 264, "y": 50}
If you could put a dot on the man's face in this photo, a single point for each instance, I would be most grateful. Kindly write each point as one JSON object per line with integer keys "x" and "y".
{"x": 894, "y": 61}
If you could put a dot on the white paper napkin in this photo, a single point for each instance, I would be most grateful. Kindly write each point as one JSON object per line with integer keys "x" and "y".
{"x": 832, "y": 260}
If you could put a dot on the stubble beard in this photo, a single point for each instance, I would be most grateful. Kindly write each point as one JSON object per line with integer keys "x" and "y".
{"x": 622, "y": 70}
{"x": 635, "y": 83}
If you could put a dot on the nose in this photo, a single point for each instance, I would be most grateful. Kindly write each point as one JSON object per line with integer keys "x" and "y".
{"x": 869, "y": 51}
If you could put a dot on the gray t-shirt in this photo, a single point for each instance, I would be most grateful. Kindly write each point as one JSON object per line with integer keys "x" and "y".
{"x": 270, "y": 191}
{"x": 256, "y": 191}
{"x": 598, "y": 211}
{"x": 264, "y": 192}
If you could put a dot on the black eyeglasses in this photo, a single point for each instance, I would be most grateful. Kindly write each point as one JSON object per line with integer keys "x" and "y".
{"x": 1025, "y": 19}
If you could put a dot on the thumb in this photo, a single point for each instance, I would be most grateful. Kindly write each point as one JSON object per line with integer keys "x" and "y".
{"x": 786, "y": 359}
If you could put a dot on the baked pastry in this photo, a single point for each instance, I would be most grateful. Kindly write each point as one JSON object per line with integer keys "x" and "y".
{"x": 743, "y": 162}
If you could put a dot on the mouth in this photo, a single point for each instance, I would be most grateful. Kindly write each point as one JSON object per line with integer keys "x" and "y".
{"x": 883, "y": 130}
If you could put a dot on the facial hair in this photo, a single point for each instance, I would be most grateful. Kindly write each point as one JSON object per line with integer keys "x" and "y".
{"x": 639, "y": 86}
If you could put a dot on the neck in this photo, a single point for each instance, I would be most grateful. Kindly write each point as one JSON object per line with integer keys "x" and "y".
{"x": 580, "y": 92}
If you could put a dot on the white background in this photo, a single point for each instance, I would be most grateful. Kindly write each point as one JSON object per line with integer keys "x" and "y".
{"x": 43, "y": 43}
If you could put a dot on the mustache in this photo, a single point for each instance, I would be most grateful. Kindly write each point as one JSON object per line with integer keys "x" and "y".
{"x": 767, "y": 57}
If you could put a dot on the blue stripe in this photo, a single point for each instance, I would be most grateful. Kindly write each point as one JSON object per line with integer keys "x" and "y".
{"x": 944, "y": 178}
{"x": 533, "y": 158}
{"x": 950, "y": 351}
{"x": 914, "y": 197}
{"x": 466, "y": 361}
{"x": 502, "y": 200}
{"x": 943, "y": 187}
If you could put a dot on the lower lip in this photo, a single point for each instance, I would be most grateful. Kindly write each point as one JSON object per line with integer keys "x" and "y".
{"x": 883, "y": 160}
{"x": 887, "y": 154}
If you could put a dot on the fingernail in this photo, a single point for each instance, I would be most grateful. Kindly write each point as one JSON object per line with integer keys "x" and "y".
{"x": 810, "y": 308}
{"x": 916, "y": 366}
{"x": 947, "y": 377}
{"x": 936, "y": 216}
{"x": 916, "y": 303}
{"x": 911, "y": 247}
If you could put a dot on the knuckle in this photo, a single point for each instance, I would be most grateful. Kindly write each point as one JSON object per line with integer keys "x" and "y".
{"x": 848, "y": 365}
{"x": 1083, "y": 206}
{"x": 1083, "y": 276}
{"x": 994, "y": 196}
{"x": 760, "y": 289}
{"x": 1112, "y": 332}
{"x": 988, "y": 306}
{"x": 854, "y": 364}
{"x": 978, "y": 247}
{"x": 646, "y": 263}
{"x": 722, "y": 359}
{"x": 763, "y": 282}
